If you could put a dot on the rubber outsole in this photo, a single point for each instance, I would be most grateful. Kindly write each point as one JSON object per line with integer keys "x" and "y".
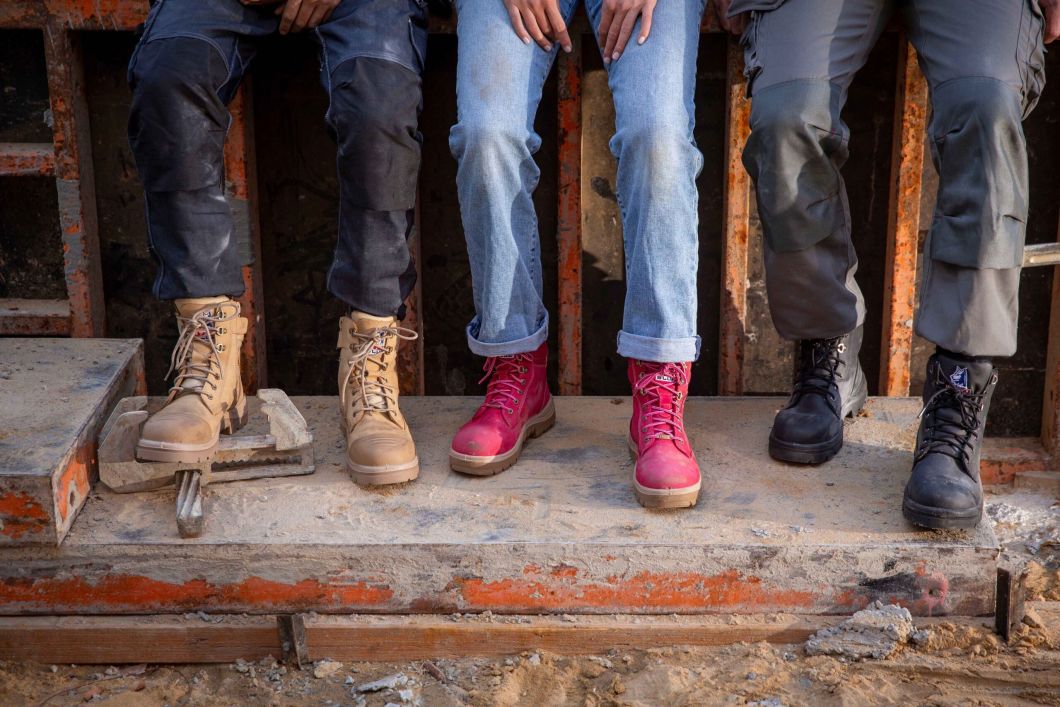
{"x": 940, "y": 518}
{"x": 384, "y": 475}
{"x": 492, "y": 465}
{"x": 659, "y": 499}
{"x": 155, "y": 451}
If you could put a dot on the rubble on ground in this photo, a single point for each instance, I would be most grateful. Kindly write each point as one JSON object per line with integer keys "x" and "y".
{"x": 875, "y": 632}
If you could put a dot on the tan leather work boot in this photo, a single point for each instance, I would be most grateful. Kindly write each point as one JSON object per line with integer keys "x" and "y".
{"x": 379, "y": 446}
{"x": 207, "y": 394}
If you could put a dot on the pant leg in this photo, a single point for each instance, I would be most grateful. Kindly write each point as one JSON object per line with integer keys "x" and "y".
{"x": 498, "y": 85}
{"x": 800, "y": 59}
{"x": 980, "y": 92}
{"x": 653, "y": 86}
{"x": 184, "y": 71}
{"x": 373, "y": 53}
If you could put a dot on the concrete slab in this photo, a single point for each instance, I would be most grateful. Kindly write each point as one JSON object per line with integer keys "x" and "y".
{"x": 55, "y": 395}
{"x": 558, "y": 533}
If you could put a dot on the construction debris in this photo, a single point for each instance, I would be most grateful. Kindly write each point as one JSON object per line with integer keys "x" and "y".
{"x": 875, "y": 632}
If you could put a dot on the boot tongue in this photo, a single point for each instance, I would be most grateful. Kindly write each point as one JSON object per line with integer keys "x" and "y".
{"x": 366, "y": 325}
{"x": 201, "y": 351}
{"x": 965, "y": 376}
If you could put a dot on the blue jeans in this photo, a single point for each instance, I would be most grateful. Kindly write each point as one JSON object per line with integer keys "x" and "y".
{"x": 499, "y": 83}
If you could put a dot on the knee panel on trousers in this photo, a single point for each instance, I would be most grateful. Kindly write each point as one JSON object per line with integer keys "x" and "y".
{"x": 177, "y": 123}
{"x": 980, "y": 154}
{"x": 375, "y": 105}
{"x": 796, "y": 147}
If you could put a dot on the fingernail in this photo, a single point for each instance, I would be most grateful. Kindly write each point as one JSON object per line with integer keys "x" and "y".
{"x": 614, "y": 57}
{"x": 641, "y": 40}
{"x": 526, "y": 40}
{"x": 568, "y": 48}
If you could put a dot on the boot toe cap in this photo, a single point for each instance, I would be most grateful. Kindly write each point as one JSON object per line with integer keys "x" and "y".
{"x": 482, "y": 441}
{"x": 178, "y": 428}
{"x": 381, "y": 451}
{"x": 943, "y": 491}
{"x": 805, "y": 428}
{"x": 670, "y": 470}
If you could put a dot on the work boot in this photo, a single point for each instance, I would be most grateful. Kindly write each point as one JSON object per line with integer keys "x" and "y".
{"x": 829, "y": 385}
{"x": 207, "y": 394}
{"x": 944, "y": 490}
{"x": 379, "y": 446}
{"x": 518, "y": 405}
{"x": 667, "y": 473}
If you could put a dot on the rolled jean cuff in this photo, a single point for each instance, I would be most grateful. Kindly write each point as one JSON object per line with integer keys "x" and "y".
{"x": 507, "y": 348}
{"x": 645, "y": 348}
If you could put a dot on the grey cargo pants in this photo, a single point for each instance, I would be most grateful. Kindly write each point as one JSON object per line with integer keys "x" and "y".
{"x": 983, "y": 60}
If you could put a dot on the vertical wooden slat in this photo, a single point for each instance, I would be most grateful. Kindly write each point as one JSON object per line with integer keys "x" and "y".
{"x": 242, "y": 190}
{"x": 903, "y": 224}
{"x": 1051, "y": 399}
{"x": 74, "y": 181}
{"x": 569, "y": 219}
{"x": 736, "y": 229}
{"x": 410, "y": 355}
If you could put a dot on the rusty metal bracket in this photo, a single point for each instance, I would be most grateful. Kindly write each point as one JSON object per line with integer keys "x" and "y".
{"x": 1011, "y": 598}
{"x": 287, "y": 450}
{"x": 291, "y": 628}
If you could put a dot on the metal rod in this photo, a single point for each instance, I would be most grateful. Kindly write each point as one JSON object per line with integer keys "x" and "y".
{"x": 1041, "y": 254}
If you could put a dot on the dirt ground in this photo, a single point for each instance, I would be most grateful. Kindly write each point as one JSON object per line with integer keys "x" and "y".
{"x": 958, "y": 664}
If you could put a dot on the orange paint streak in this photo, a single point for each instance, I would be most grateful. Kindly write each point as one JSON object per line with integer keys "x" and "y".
{"x": 75, "y": 478}
{"x": 680, "y": 590}
{"x": 133, "y": 592}
{"x": 20, "y": 514}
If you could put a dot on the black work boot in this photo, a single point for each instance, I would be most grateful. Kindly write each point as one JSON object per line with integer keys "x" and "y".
{"x": 829, "y": 386}
{"x": 944, "y": 490}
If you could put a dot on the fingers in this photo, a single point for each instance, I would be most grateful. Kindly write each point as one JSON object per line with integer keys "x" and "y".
{"x": 1052, "y": 24}
{"x": 645, "y": 24}
{"x": 535, "y": 30}
{"x": 607, "y": 17}
{"x": 288, "y": 15}
{"x": 559, "y": 28}
{"x": 625, "y": 30}
{"x": 318, "y": 15}
{"x": 517, "y": 24}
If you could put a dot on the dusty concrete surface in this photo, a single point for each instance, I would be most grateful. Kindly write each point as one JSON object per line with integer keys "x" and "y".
{"x": 559, "y": 532}
{"x": 958, "y": 665}
{"x": 54, "y": 397}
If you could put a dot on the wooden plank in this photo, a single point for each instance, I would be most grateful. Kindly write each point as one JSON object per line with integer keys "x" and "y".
{"x": 569, "y": 235}
{"x": 242, "y": 191}
{"x": 1051, "y": 398}
{"x": 736, "y": 229}
{"x": 31, "y": 317}
{"x": 75, "y": 183}
{"x": 140, "y": 639}
{"x": 907, "y": 161}
{"x": 27, "y": 159}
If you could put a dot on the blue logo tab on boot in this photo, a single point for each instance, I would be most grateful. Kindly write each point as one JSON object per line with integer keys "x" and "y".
{"x": 959, "y": 378}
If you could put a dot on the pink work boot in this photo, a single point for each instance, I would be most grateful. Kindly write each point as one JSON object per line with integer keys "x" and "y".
{"x": 518, "y": 405}
{"x": 667, "y": 474}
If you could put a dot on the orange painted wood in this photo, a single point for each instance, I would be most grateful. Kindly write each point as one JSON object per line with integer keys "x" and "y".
{"x": 735, "y": 231}
{"x": 569, "y": 217}
{"x": 903, "y": 224}
{"x": 29, "y": 317}
{"x": 27, "y": 159}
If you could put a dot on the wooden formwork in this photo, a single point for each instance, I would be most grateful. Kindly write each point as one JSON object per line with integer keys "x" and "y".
{"x": 68, "y": 160}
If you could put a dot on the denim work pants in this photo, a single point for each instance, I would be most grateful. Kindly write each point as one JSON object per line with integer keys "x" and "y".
{"x": 499, "y": 84}
{"x": 184, "y": 72}
{"x": 983, "y": 60}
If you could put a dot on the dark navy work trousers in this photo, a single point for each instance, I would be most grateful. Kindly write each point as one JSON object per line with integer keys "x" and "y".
{"x": 184, "y": 72}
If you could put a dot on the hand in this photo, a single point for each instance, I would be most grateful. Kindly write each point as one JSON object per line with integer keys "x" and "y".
{"x": 540, "y": 20}
{"x": 1051, "y": 10}
{"x": 735, "y": 25}
{"x": 297, "y": 15}
{"x": 616, "y": 25}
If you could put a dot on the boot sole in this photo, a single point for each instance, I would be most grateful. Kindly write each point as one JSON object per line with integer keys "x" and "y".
{"x": 940, "y": 518}
{"x": 384, "y": 475}
{"x": 662, "y": 498}
{"x": 155, "y": 451}
{"x": 488, "y": 466}
{"x": 818, "y": 453}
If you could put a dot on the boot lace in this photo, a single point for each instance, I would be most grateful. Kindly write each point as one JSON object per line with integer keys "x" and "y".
{"x": 659, "y": 421}
{"x": 953, "y": 421}
{"x": 196, "y": 358}
{"x": 373, "y": 392}
{"x": 505, "y": 385}
{"x": 819, "y": 369}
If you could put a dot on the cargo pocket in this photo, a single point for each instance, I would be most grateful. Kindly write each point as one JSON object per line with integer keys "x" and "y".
{"x": 752, "y": 64}
{"x": 1031, "y": 54}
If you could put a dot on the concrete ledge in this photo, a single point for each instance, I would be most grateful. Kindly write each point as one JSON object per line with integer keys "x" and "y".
{"x": 558, "y": 533}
